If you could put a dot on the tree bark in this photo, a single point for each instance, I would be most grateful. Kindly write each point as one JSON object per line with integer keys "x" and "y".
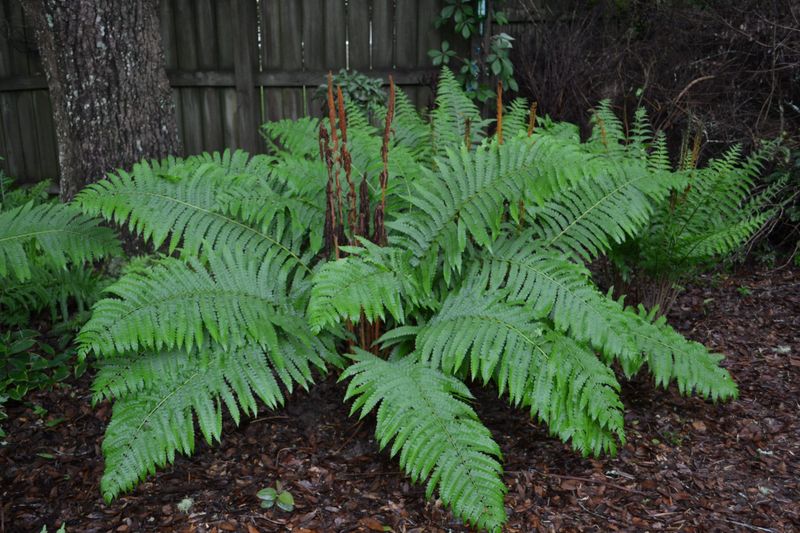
{"x": 111, "y": 98}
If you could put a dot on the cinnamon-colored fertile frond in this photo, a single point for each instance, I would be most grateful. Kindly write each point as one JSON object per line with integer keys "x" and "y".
{"x": 332, "y": 112}
{"x": 532, "y": 118}
{"x": 342, "y": 114}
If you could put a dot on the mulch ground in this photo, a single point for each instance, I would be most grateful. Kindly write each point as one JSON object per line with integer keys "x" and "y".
{"x": 688, "y": 465}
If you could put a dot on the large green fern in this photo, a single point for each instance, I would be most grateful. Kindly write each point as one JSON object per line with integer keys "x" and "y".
{"x": 278, "y": 266}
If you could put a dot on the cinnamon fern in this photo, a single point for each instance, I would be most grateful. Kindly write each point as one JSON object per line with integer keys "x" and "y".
{"x": 415, "y": 258}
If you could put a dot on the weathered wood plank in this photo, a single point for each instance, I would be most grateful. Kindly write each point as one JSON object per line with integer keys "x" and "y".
{"x": 335, "y": 49}
{"x": 14, "y": 159}
{"x": 427, "y": 38}
{"x": 382, "y": 35}
{"x": 271, "y": 56}
{"x": 46, "y": 135}
{"x": 315, "y": 55}
{"x": 167, "y": 29}
{"x": 16, "y": 29}
{"x": 358, "y": 21}
{"x": 26, "y": 116}
{"x": 5, "y": 53}
{"x": 208, "y": 57}
{"x": 291, "y": 36}
{"x": 405, "y": 27}
{"x": 245, "y": 61}
{"x": 191, "y": 127}
{"x": 226, "y": 95}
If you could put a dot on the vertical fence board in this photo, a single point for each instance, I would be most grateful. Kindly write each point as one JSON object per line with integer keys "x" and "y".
{"x": 382, "y": 34}
{"x": 46, "y": 132}
{"x": 227, "y": 95}
{"x": 186, "y": 40}
{"x": 170, "y": 46}
{"x": 271, "y": 55}
{"x": 335, "y": 24}
{"x": 5, "y": 71}
{"x": 291, "y": 31}
{"x": 245, "y": 62}
{"x": 405, "y": 23}
{"x": 427, "y": 38}
{"x": 358, "y": 22}
{"x": 314, "y": 50}
{"x": 213, "y": 135}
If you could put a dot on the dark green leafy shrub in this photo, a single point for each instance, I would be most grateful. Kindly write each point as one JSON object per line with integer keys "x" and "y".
{"x": 358, "y": 89}
{"x": 428, "y": 261}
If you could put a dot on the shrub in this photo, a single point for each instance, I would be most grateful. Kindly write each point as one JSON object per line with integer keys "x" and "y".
{"x": 416, "y": 260}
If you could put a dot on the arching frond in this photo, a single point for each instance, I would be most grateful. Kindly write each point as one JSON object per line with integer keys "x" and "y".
{"x": 672, "y": 357}
{"x": 439, "y": 437}
{"x": 453, "y": 113}
{"x": 372, "y": 280}
{"x": 158, "y": 396}
{"x": 554, "y": 288}
{"x": 515, "y": 120}
{"x": 598, "y": 212}
{"x": 234, "y": 301}
{"x": 58, "y": 233}
{"x": 296, "y": 137}
{"x": 184, "y": 207}
{"x": 564, "y": 384}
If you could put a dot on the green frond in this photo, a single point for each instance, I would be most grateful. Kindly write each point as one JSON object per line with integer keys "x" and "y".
{"x": 158, "y": 396}
{"x": 183, "y": 206}
{"x": 658, "y": 159}
{"x": 438, "y": 436}
{"x": 721, "y": 240}
{"x": 260, "y": 205}
{"x": 58, "y": 233}
{"x": 552, "y": 287}
{"x": 453, "y": 109}
{"x": 608, "y": 133}
{"x": 409, "y": 129}
{"x": 371, "y": 280}
{"x": 576, "y": 395}
{"x": 589, "y": 218}
{"x": 55, "y": 290}
{"x": 564, "y": 384}
{"x": 297, "y": 137}
{"x": 641, "y": 135}
{"x": 234, "y": 301}
{"x": 671, "y": 357}
{"x": 515, "y": 121}
{"x": 474, "y": 331}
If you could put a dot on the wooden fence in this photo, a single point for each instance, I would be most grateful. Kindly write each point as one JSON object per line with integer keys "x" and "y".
{"x": 232, "y": 65}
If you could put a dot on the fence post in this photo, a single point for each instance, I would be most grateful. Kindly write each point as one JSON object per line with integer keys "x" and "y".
{"x": 244, "y": 40}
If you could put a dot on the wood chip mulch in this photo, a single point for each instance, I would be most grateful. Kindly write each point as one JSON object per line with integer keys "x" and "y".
{"x": 688, "y": 465}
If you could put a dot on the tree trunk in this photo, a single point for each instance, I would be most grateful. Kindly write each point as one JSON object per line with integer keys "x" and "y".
{"x": 111, "y": 99}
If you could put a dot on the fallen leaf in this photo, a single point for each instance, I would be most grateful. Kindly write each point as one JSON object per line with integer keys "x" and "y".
{"x": 371, "y": 524}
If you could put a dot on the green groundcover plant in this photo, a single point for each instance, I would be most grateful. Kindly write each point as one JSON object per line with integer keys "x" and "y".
{"x": 414, "y": 261}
